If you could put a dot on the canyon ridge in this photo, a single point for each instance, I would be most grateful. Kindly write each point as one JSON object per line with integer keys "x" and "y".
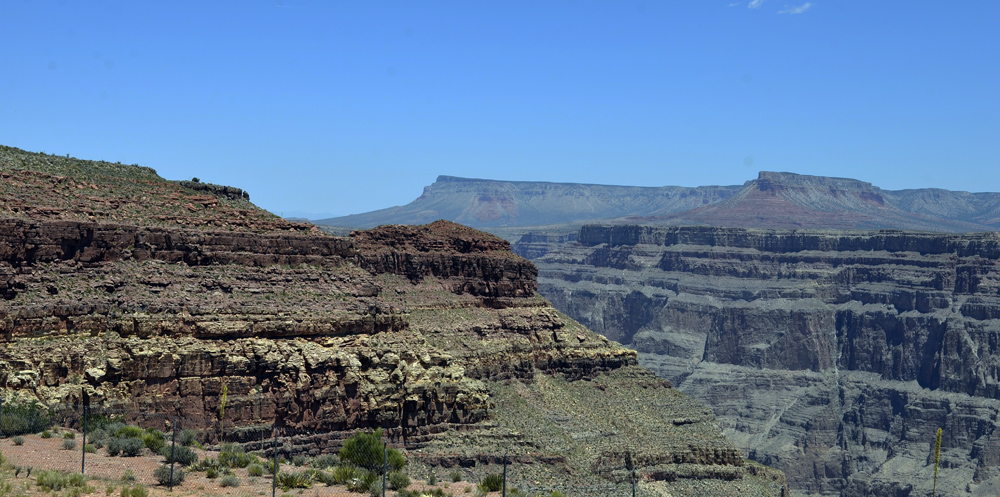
{"x": 831, "y": 325}
{"x": 122, "y": 288}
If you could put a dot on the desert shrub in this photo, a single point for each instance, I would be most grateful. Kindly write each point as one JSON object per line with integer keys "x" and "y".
{"x": 375, "y": 488}
{"x": 556, "y": 493}
{"x": 90, "y": 449}
{"x": 136, "y": 491}
{"x": 206, "y": 464}
{"x": 69, "y": 444}
{"x": 229, "y": 481}
{"x": 130, "y": 431}
{"x": 300, "y": 461}
{"x": 491, "y": 483}
{"x": 132, "y": 447}
{"x": 162, "y": 475}
{"x": 212, "y": 473}
{"x": 234, "y": 456}
{"x": 69, "y": 435}
{"x": 128, "y": 476}
{"x": 456, "y": 476}
{"x": 432, "y": 479}
{"x": 50, "y": 480}
{"x": 398, "y": 480}
{"x": 437, "y": 492}
{"x": 294, "y": 480}
{"x": 154, "y": 440}
{"x": 21, "y": 418}
{"x": 344, "y": 474}
{"x": 255, "y": 470}
{"x": 365, "y": 450}
{"x": 113, "y": 447}
{"x": 46, "y": 434}
{"x": 181, "y": 455}
{"x": 325, "y": 461}
{"x": 187, "y": 437}
{"x": 75, "y": 480}
{"x": 96, "y": 434}
{"x": 18, "y": 440}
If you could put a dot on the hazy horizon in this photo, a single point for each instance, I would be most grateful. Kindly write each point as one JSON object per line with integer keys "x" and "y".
{"x": 333, "y": 109}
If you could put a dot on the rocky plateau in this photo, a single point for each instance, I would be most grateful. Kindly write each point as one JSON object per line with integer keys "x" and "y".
{"x": 121, "y": 288}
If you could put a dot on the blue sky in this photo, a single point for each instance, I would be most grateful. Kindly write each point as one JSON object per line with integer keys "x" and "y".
{"x": 339, "y": 107}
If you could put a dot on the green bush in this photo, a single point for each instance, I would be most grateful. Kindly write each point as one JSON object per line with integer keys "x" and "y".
{"x": 162, "y": 475}
{"x": 187, "y": 437}
{"x": 154, "y": 440}
{"x": 207, "y": 464}
{"x": 46, "y": 434}
{"x": 375, "y": 488}
{"x": 398, "y": 480}
{"x": 229, "y": 481}
{"x": 69, "y": 444}
{"x": 21, "y": 418}
{"x": 132, "y": 447}
{"x": 556, "y": 493}
{"x": 234, "y": 456}
{"x": 437, "y": 492}
{"x": 456, "y": 476}
{"x": 136, "y": 491}
{"x": 90, "y": 449}
{"x": 69, "y": 434}
{"x": 365, "y": 450}
{"x": 50, "y": 480}
{"x": 181, "y": 455}
{"x": 300, "y": 461}
{"x": 491, "y": 483}
{"x": 113, "y": 447}
{"x": 294, "y": 480}
{"x": 344, "y": 474}
{"x": 255, "y": 470}
{"x": 212, "y": 473}
{"x": 325, "y": 461}
{"x": 130, "y": 431}
{"x": 18, "y": 440}
{"x": 128, "y": 476}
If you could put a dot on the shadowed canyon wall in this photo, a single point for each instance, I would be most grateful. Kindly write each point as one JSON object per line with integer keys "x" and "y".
{"x": 834, "y": 356}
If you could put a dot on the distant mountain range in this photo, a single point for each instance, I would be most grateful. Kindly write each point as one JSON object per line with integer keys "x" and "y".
{"x": 773, "y": 200}
{"x": 484, "y": 203}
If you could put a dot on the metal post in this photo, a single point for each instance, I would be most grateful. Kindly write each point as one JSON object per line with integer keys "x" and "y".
{"x": 635, "y": 478}
{"x": 504, "y": 494}
{"x": 83, "y": 459}
{"x": 173, "y": 448}
{"x": 1, "y": 416}
{"x": 274, "y": 477}
{"x": 385, "y": 464}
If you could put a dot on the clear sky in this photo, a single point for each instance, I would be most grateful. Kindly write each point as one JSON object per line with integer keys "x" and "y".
{"x": 337, "y": 107}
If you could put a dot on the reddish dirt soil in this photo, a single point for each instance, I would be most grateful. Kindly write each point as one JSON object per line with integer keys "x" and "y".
{"x": 47, "y": 454}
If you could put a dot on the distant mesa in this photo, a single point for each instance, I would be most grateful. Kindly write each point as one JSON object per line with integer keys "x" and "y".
{"x": 484, "y": 203}
{"x": 773, "y": 200}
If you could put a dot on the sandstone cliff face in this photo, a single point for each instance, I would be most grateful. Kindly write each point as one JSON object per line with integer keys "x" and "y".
{"x": 434, "y": 333}
{"x": 833, "y": 356}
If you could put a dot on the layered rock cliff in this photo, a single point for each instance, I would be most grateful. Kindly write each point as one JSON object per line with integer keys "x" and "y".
{"x": 834, "y": 356}
{"x": 434, "y": 333}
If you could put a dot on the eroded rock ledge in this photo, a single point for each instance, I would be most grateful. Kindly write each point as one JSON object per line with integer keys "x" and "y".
{"x": 832, "y": 355}
{"x": 433, "y": 333}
